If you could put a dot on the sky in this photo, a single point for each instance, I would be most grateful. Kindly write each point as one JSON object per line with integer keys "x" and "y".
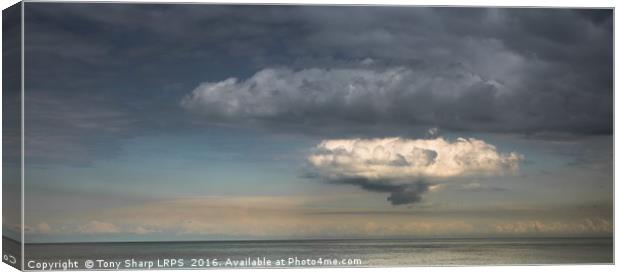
{"x": 212, "y": 122}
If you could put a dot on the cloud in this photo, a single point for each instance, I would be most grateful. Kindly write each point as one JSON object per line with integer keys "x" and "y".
{"x": 587, "y": 225}
{"x": 504, "y": 72}
{"x": 266, "y": 216}
{"x": 408, "y": 194}
{"x": 449, "y": 96}
{"x": 405, "y": 159}
{"x": 403, "y": 167}
{"x": 321, "y": 216}
{"x": 41, "y": 228}
{"x": 399, "y": 95}
{"x": 477, "y": 187}
{"x": 98, "y": 227}
{"x": 91, "y": 227}
{"x": 399, "y": 193}
{"x": 141, "y": 230}
{"x": 44, "y": 227}
{"x": 276, "y": 93}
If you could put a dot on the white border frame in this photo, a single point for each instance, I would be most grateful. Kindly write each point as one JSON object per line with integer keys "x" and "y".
{"x": 469, "y": 3}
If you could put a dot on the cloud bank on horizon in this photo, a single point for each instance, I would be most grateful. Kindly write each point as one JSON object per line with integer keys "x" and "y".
{"x": 291, "y": 216}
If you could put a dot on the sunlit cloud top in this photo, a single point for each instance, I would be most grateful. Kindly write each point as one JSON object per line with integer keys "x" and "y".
{"x": 410, "y": 159}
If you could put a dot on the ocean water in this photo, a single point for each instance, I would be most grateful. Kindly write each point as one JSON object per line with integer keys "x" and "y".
{"x": 328, "y": 253}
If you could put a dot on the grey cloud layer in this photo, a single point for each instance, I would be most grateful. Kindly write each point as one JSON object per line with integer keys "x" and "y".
{"x": 450, "y": 97}
{"x": 509, "y": 70}
{"x": 504, "y": 70}
{"x": 71, "y": 130}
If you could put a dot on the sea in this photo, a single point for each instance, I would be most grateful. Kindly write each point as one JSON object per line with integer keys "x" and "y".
{"x": 320, "y": 253}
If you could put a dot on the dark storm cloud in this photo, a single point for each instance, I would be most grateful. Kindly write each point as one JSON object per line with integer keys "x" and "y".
{"x": 506, "y": 70}
{"x": 400, "y": 194}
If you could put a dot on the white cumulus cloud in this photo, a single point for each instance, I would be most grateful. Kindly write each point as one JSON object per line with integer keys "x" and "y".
{"x": 407, "y": 168}
{"x": 399, "y": 159}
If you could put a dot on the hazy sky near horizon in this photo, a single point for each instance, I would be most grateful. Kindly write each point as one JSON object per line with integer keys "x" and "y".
{"x": 180, "y": 122}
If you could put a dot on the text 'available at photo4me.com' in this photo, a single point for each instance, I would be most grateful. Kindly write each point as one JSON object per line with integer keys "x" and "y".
{"x": 190, "y": 263}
